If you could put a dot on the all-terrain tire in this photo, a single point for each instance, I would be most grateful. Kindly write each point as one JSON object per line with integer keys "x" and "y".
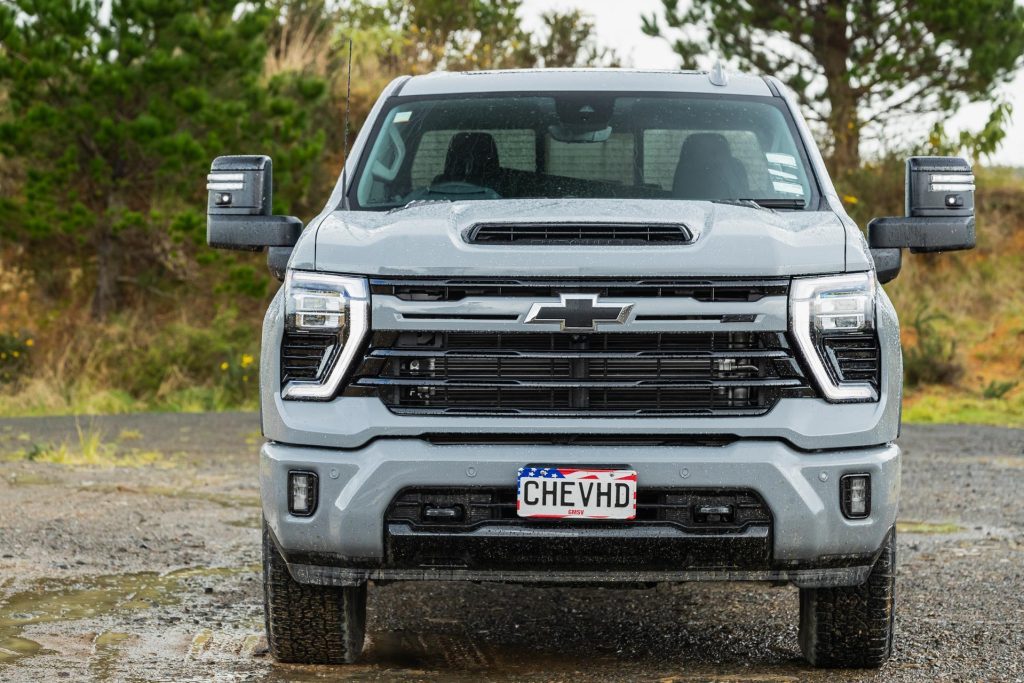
{"x": 851, "y": 627}
{"x": 310, "y": 624}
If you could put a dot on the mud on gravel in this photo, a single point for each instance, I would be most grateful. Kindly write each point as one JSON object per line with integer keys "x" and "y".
{"x": 144, "y": 565}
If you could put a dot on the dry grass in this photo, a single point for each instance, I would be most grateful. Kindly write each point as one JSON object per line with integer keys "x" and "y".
{"x": 90, "y": 449}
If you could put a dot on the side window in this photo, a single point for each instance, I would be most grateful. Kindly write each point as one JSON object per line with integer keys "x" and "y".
{"x": 516, "y": 150}
{"x": 609, "y": 161}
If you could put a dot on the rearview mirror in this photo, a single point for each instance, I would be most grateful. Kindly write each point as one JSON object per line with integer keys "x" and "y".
{"x": 939, "y": 209}
{"x": 238, "y": 211}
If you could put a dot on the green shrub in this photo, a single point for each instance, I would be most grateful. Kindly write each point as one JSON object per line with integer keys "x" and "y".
{"x": 998, "y": 389}
{"x": 14, "y": 356}
{"x": 932, "y": 359}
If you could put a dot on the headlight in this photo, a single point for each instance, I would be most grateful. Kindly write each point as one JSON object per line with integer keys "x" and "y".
{"x": 833, "y": 306}
{"x": 332, "y": 305}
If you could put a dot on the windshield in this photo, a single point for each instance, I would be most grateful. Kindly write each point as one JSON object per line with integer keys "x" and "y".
{"x": 585, "y": 145}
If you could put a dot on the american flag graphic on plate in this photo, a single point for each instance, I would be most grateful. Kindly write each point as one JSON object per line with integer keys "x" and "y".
{"x": 575, "y": 493}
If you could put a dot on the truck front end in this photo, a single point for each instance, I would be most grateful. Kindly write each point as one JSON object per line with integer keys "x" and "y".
{"x": 597, "y": 328}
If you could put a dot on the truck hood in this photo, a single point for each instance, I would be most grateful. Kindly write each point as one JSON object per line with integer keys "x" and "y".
{"x": 428, "y": 241}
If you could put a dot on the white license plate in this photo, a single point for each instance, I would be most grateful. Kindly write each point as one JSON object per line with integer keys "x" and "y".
{"x": 570, "y": 493}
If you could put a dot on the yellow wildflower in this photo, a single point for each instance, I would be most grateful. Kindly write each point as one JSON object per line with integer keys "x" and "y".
{"x": 850, "y": 199}
{"x": 15, "y": 354}
{"x": 224, "y": 365}
{"x": 246, "y": 360}
{"x": 30, "y": 343}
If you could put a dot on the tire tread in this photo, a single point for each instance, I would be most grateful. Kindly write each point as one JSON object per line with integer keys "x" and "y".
{"x": 310, "y": 624}
{"x": 852, "y": 626}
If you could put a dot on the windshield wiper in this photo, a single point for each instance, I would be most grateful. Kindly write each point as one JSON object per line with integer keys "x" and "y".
{"x": 768, "y": 204}
{"x": 778, "y": 203}
{"x": 749, "y": 203}
{"x": 419, "y": 202}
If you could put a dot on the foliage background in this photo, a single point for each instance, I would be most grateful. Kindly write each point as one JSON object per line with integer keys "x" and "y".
{"x": 111, "y": 302}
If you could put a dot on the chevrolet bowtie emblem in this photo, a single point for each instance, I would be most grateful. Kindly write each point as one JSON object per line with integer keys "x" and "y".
{"x": 578, "y": 313}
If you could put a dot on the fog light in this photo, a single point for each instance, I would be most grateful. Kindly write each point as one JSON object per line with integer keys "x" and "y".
{"x": 856, "y": 495}
{"x": 302, "y": 493}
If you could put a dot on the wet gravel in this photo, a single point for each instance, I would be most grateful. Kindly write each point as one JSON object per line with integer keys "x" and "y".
{"x": 151, "y": 573}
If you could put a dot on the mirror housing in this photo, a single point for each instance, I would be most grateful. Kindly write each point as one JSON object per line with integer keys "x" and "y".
{"x": 238, "y": 210}
{"x": 888, "y": 263}
{"x": 939, "y": 209}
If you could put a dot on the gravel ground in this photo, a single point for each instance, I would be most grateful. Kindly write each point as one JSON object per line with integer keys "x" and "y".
{"x": 150, "y": 572}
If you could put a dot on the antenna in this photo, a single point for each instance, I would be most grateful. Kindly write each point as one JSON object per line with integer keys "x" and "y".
{"x": 348, "y": 100}
{"x": 718, "y": 75}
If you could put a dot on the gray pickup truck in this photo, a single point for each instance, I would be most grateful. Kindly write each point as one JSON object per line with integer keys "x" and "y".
{"x": 583, "y": 327}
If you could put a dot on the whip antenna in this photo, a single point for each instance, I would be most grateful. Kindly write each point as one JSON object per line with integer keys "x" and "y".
{"x": 348, "y": 106}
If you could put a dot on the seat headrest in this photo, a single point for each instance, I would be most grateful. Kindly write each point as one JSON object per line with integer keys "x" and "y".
{"x": 471, "y": 155}
{"x": 706, "y": 145}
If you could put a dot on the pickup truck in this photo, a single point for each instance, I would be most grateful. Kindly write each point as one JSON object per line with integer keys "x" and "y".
{"x": 596, "y": 327}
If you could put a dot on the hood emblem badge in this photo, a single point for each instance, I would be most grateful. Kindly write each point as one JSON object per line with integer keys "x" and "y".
{"x": 579, "y": 313}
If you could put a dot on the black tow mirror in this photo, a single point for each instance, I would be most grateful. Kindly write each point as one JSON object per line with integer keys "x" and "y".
{"x": 238, "y": 212}
{"x": 939, "y": 208}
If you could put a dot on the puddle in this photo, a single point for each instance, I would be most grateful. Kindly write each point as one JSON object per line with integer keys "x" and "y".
{"x": 107, "y": 648}
{"x": 54, "y": 601}
{"x": 911, "y": 527}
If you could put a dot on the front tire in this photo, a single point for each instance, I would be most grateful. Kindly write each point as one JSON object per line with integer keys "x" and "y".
{"x": 310, "y": 624}
{"x": 851, "y": 626}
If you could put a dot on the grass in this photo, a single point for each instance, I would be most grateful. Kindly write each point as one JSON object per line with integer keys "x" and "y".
{"x": 40, "y": 399}
{"x": 89, "y": 449}
{"x": 911, "y": 527}
{"x": 938, "y": 405}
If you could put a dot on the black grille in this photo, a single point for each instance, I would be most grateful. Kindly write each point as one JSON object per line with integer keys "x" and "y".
{"x": 606, "y": 234}
{"x": 302, "y": 355}
{"x": 712, "y": 373}
{"x": 622, "y": 439}
{"x": 854, "y": 358}
{"x": 699, "y": 290}
{"x": 693, "y": 510}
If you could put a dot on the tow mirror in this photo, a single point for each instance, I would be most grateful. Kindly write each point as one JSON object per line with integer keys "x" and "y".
{"x": 939, "y": 212}
{"x": 238, "y": 212}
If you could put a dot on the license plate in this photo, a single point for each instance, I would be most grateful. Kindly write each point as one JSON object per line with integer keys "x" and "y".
{"x": 570, "y": 493}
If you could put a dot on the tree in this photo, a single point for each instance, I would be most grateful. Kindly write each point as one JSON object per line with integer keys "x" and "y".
{"x": 458, "y": 35}
{"x": 116, "y": 108}
{"x": 857, "y": 64}
{"x": 568, "y": 41}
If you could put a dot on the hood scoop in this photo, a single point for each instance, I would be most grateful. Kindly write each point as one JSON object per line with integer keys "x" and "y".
{"x": 579, "y": 234}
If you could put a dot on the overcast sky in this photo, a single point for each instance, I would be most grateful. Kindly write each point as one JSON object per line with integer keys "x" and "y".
{"x": 618, "y": 26}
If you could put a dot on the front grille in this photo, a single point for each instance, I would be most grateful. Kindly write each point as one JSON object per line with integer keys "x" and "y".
{"x": 304, "y": 356}
{"x": 622, "y": 439}
{"x": 624, "y": 374}
{"x": 699, "y": 290}
{"x": 854, "y": 358}
{"x": 683, "y": 508}
{"x": 603, "y": 234}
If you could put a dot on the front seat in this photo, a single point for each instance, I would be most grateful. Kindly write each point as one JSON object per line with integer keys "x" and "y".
{"x": 471, "y": 158}
{"x": 708, "y": 170}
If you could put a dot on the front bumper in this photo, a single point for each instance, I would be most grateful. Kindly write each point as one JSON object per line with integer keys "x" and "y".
{"x": 810, "y": 541}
